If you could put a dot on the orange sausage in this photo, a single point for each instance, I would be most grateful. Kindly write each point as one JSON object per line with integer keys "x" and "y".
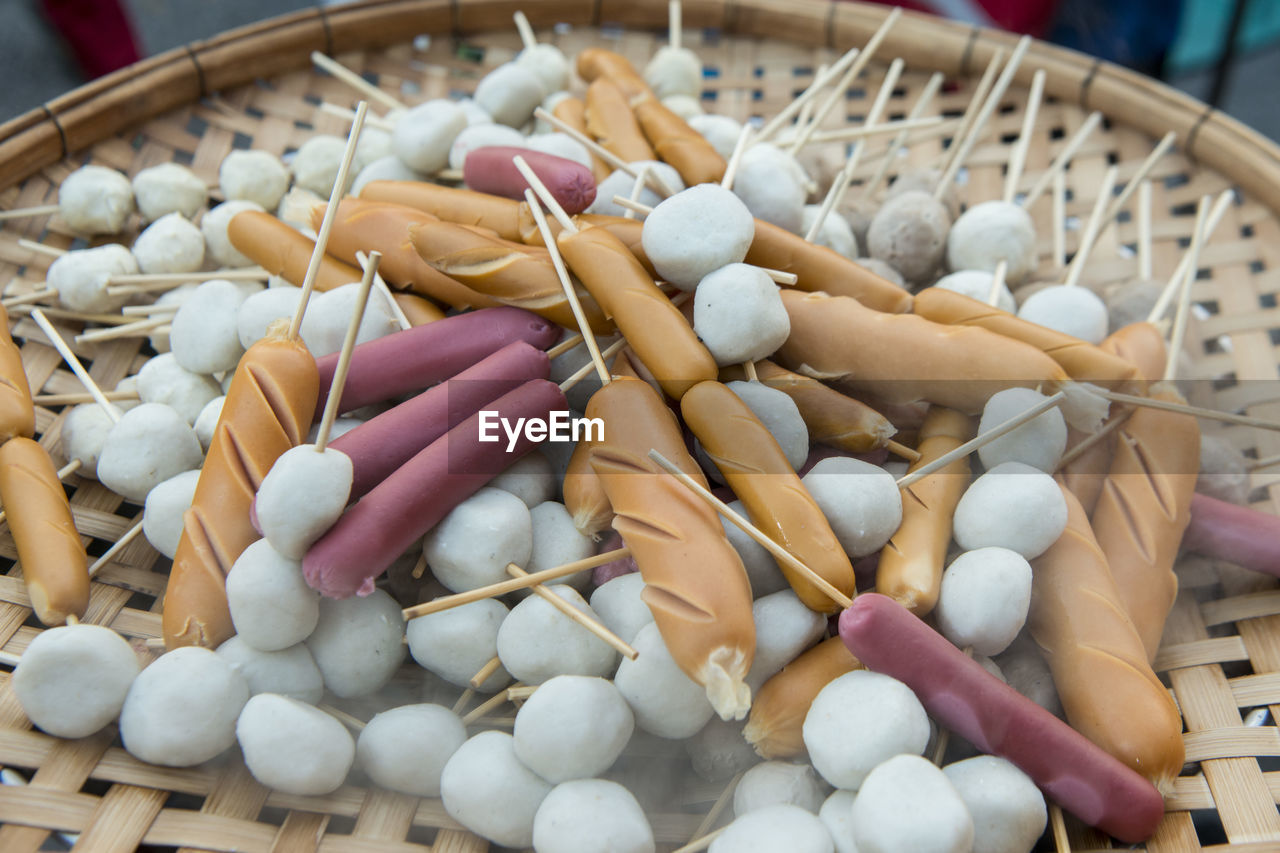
{"x": 596, "y": 62}
{"x": 268, "y": 410}
{"x": 573, "y": 112}
{"x": 509, "y": 275}
{"x": 17, "y": 413}
{"x": 695, "y": 584}
{"x": 756, "y": 469}
{"x": 417, "y": 310}
{"x": 775, "y": 728}
{"x": 611, "y": 122}
{"x": 464, "y": 207}
{"x": 281, "y": 250}
{"x": 678, "y": 144}
{"x": 54, "y": 565}
{"x": 1142, "y": 345}
{"x": 821, "y": 269}
{"x": 901, "y": 358}
{"x": 911, "y": 564}
{"x": 654, "y": 328}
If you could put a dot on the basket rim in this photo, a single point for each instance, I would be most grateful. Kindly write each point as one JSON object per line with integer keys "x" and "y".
{"x": 90, "y": 113}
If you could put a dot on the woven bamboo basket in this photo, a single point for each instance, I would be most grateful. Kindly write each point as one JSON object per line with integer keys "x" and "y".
{"x": 255, "y": 87}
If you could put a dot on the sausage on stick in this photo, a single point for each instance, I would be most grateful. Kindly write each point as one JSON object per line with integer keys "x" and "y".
{"x": 17, "y": 413}
{"x": 282, "y": 250}
{"x": 775, "y": 727}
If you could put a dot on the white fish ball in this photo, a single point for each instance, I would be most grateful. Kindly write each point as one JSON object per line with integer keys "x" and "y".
{"x": 482, "y": 136}
{"x": 771, "y": 190}
{"x": 1039, "y": 442}
{"x": 315, "y": 165}
{"x": 780, "y": 416}
{"x": 294, "y": 747}
{"x": 159, "y": 340}
{"x": 1007, "y": 808}
{"x": 163, "y": 510}
{"x": 484, "y": 772}
{"x": 674, "y": 71}
{"x": 762, "y": 568}
{"x": 203, "y": 335}
{"x": 557, "y": 542}
{"x": 739, "y": 315}
{"x": 182, "y": 709}
{"x": 984, "y": 599}
{"x": 719, "y": 750}
{"x": 909, "y": 233}
{"x": 695, "y": 232}
{"x": 389, "y": 168}
{"x": 572, "y": 727}
{"x": 324, "y": 327}
{"x": 1025, "y": 670}
{"x": 163, "y": 379}
{"x": 510, "y": 93}
{"x": 80, "y": 277}
{"x": 907, "y": 803}
{"x": 862, "y": 502}
{"x": 560, "y": 145}
{"x": 288, "y": 672}
{"x": 1076, "y": 311}
{"x": 271, "y": 605}
{"x": 302, "y": 496}
{"x": 785, "y": 627}
{"x": 72, "y": 680}
{"x": 976, "y": 284}
{"x": 260, "y": 310}
{"x": 859, "y": 720}
{"x": 357, "y": 643}
{"x": 719, "y": 130}
{"x": 768, "y": 830}
{"x": 1011, "y": 506}
{"x": 474, "y": 113}
{"x": 214, "y": 228}
{"x": 150, "y": 444}
{"x": 771, "y": 783}
{"x": 406, "y": 749}
{"x": 590, "y": 815}
{"x": 95, "y": 200}
{"x": 207, "y": 421}
{"x": 253, "y": 175}
{"x": 836, "y": 814}
{"x": 83, "y": 432}
{"x": 374, "y": 144}
{"x": 618, "y": 604}
{"x": 665, "y": 701}
{"x": 168, "y": 188}
{"x": 537, "y": 642}
{"x": 685, "y": 106}
{"x": 546, "y": 62}
{"x": 531, "y": 479}
{"x": 835, "y": 232}
{"x": 622, "y": 183}
{"x": 472, "y": 545}
{"x": 456, "y": 643}
{"x": 991, "y": 232}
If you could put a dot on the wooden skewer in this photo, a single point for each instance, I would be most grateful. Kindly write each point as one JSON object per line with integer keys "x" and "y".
{"x": 330, "y": 211}
{"x": 75, "y": 399}
{"x": 1264, "y": 462}
{"x": 586, "y": 369}
{"x": 525, "y": 29}
{"x": 1112, "y": 424}
{"x": 655, "y": 180}
{"x": 739, "y": 148}
{"x": 980, "y": 122}
{"x": 751, "y": 530}
{"x": 976, "y": 102}
{"x": 997, "y": 282}
{"x": 482, "y": 675}
{"x": 637, "y": 187}
{"x": 124, "y": 330}
{"x": 41, "y": 248}
{"x": 63, "y": 473}
{"x": 901, "y": 450}
{"x": 675, "y": 29}
{"x": 463, "y": 700}
{"x": 1059, "y": 164}
{"x": 242, "y": 274}
{"x": 28, "y": 298}
{"x": 419, "y": 568}
{"x": 749, "y": 368}
{"x": 841, "y": 184}
{"x": 1162, "y": 147}
{"x": 1019, "y": 159}
{"x": 118, "y": 546}
{"x": 355, "y": 81}
{"x": 26, "y": 212}
{"x": 702, "y": 843}
{"x": 354, "y": 723}
{"x": 148, "y": 310}
{"x": 778, "y": 276}
{"x": 1184, "y": 299}
{"x": 1198, "y": 411}
{"x": 629, "y": 204}
{"x": 1059, "y": 220}
{"x": 1215, "y": 216}
{"x": 348, "y": 347}
{"x": 1061, "y": 841}
{"x": 718, "y": 807}
{"x": 496, "y": 701}
{"x": 1097, "y": 221}
{"x": 1144, "y": 231}
{"x": 820, "y": 82}
{"x": 75, "y": 316}
{"x": 864, "y": 57}
{"x": 348, "y": 114}
{"x": 503, "y": 587}
{"x": 74, "y": 363}
{"x": 863, "y": 131}
{"x": 805, "y": 114}
{"x": 564, "y": 346}
{"x": 974, "y": 443}
{"x": 380, "y": 285}
{"x": 544, "y": 195}
{"x": 927, "y": 95}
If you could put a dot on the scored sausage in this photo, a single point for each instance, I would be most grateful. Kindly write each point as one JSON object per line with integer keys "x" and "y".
{"x": 284, "y": 251}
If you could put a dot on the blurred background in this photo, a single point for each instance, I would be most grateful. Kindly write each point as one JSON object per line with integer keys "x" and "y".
{"x": 1225, "y": 52}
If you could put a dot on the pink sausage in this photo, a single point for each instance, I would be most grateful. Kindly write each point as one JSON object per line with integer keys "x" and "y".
{"x": 382, "y": 444}
{"x": 1236, "y": 534}
{"x": 491, "y": 170}
{"x": 964, "y": 697}
{"x": 398, "y": 511}
{"x": 420, "y": 357}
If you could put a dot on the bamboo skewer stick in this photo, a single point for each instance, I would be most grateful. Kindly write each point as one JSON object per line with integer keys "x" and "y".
{"x": 482, "y": 675}
{"x": 1019, "y": 159}
{"x": 355, "y": 81}
{"x": 583, "y": 372}
{"x": 76, "y": 399}
{"x": 1211, "y": 224}
{"x": 348, "y": 114}
{"x": 971, "y": 110}
{"x": 1059, "y": 220}
{"x": 74, "y": 364}
{"x": 1144, "y": 231}
{"x": 751, "y": 530}
{"x": 820, "y": 82}
{"x": 864, "y": 131}
{"x": 525, "y": 29}
{"x": 29, "y": 298}
{"x": 381, "y": 286}
{"x": 1097, "y": 221}
{"x": 348, "y": 347}
{"x": 1184, "y": 299}
{"x": 352, "y": 722}
{"x": 1198, "y": 411}
{"x": 41, "y": 248}
{"x": 1113, "y": 423}
{"x": 124, "y": 330}
{"x": 27, "y": 212}
{"x": 1162, "y": 147}
{"x": 655, "y": 180}
{"x": 637, "y": 187}
{"x": 585, "y": 620}
{"x": 1059, "y": 164}
{"x": 564, "y": 346}
{"x": 927, "y": 95}
{"x": 974, "y": 443}
{"x": 675, "y": 25}
{"x": 735, "y": 159}
{"x": 997, "y": 282}
{"x": 118, "y": 546}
